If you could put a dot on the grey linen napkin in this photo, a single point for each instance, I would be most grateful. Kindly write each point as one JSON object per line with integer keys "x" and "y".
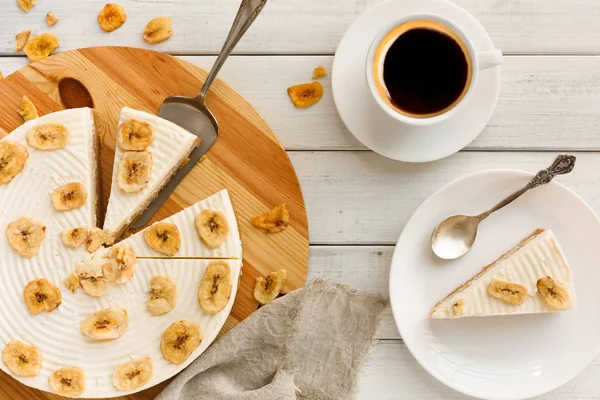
{"x": 309, "y": 344}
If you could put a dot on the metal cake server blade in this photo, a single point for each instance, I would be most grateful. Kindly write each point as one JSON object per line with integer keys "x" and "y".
{"x": 193, "y": 114}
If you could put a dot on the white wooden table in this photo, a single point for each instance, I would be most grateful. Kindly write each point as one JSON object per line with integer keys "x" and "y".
{"x": 358, "y": 202}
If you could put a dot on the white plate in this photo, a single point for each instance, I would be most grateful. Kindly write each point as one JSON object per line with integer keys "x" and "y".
{"x": 511, "y": 357}
{"x": 376, "y": 129}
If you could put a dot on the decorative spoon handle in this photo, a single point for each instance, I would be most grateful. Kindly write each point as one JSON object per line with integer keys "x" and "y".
{"x": 563, "y": 164}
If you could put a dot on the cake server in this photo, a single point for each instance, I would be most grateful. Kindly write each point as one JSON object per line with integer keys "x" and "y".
{"x": 455, "y": 235}
{"x": 193, "y": 114}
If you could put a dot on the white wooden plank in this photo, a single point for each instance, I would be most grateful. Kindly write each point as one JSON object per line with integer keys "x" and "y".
{"x": 545, "y": 102}
{"x": 364, "y": 268}
{"x": 300, "y": 26}
{"x": 391, "y": 373}
{"x": 362, "y": 198}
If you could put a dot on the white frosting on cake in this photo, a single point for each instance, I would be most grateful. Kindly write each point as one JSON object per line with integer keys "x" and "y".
{"x": 191, "y": 245}
{"x": 29, "y": 193}
{"x": 539, "y": 257}
{"x": 170, "y": 147}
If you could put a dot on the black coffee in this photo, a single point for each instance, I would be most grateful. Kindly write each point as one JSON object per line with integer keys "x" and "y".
{"x": 425, "y": 71}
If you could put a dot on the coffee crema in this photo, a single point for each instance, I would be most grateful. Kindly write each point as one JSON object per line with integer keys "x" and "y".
{"x": 422, "y": 69}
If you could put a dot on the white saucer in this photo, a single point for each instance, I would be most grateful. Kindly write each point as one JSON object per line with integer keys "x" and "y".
{"x": 510, "y": 357}
{"x": 376, "y": 129}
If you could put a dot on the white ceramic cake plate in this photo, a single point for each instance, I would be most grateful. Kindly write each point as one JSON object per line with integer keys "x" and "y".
{"x": 506, "y": 357}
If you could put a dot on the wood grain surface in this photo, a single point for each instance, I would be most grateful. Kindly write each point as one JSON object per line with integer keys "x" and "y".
{"x": 247, "y": 159}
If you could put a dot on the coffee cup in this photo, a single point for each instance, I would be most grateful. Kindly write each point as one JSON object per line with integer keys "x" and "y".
{"x": 423, "y": 68}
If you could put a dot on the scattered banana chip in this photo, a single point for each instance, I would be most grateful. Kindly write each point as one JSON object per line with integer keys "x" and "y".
{"x": 553, "y": 294}
{"x": 163, "y": 295}
{"x": 51, "y": 19}
{"x": 26, "y": 5}
{"x": 69, "y": 196}
{"x": 268, "y": 288}
{"x": 274, "y": 220}
{"x": 41, "y": 295}
{"x": 51, "y": 136}
{"x": 40, "y": 47}
{"x": 13, "y": 158}
{"x": 164, "y": 238}
{"x": 122, "y": 265}
{"x": 107, "y": 324}
{"x": 22, "y": 39}
{"x": 212, "y": 227}
{"x": 74, "y": 237}
{"x": 28, "y": 110}
{"x": 25, "y": 236}
{"x": 111, "y": 17}
{"x": 306, "y": 94}
{"x": 22, "y": 359}
{"x": 96, "y": 237}
{"x": 215, "y": 287}
{"x": 319, "y": 72}
{"x": 180, "y": 340}
{"x": 133, "y": 374}
{"x": 507, "y": 292}
{"x": 135, "y": 135}
{"x": 135, "y": 170}
{"x": 72, "y": 282}
{"x": 68, "y": 381}
{"x": 458, "y": 308}
{"x": 95, "y": 287}
{"x": 158, "y": 30}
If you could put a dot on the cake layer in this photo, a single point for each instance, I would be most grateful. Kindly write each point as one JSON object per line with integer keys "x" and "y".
{"x": 170, "y": 148}
{"x": 29, "y": 193}
{"x": 536, "y": 257}
{"x": 191, "y": 245}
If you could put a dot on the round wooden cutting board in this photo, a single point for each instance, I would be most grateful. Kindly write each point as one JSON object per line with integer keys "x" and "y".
{"x": 247, "y": 159}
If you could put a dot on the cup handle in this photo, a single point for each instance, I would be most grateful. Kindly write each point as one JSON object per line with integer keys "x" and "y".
{"x": 489, "y": 59}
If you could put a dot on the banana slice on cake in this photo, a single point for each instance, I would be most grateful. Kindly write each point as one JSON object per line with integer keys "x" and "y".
{"x": 268, "y": 288}
{"x": 164, "y": 238}
{"x": 212, "y": 228}
{"x": 96, "y": 238}
{"x": 553, "y": 293}
{"x": 163, "y": 295}
{"x": 107, "y": 324}
{"x": 133, "y": 374}
{"x": 121, "y": 264}
{"x": 41, "y": 295}
{"x": 49, "y": 136}
{"x": 74, "y": 237}
{"x": 25, "y": 236}
{"x": 180, "y": 340}
{"x": 135, "y": 135}
{"x": 96, "y": 287}
{"x": 22, "y": 359}
{"x": 215, "y": 287}
{"x": 69, "y": 196}
{"x": 134, "y": 171}
{"x": 13, "y": 158}
{"x": 68, "y": 381}
{"x": 72, "y": 282}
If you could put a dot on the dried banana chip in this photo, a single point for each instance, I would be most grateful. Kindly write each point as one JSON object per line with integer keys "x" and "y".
{"x": 74, "y": 237}
{"x": 163, "y": 295}
{"x": 164, "y": 238}
{"x": 28, "y": 110}
{"x": 212, "y": 227}
{"x": 109, "y": 323}
{"x": 68, "y": 381}
{"x": 507, "y": 292}
{"x": 13, "y": 158}
{"x": 215, "y": 287}
{"x": 96, "y": 237}
{"x": 41, "y": 295}
{"x": 50, "y": 136}
{"x": 306, "y": 94}
{"x": 319, "y": 72}
{"x": 268, "y": 288}
{"x": 135, "y": 135}
{"x": 26, "y": 5}
{"x": 22, "y": 39}
{"x": 72, "y": 282}
{"x": 134, "y": 171}
{"x": 133, "y": 374}
{"x": 25, "y": 236}
{"x": 111, "y": 17}
{"x": 180, "y": 340}
{"x": 69, "y": 196}
{"x": 51, "y": 19}
{"x": 553, "y": 293}
{"x": 274, "y": 220}
{"x": 22, "y": 359}
{"x": 40, "y": 47}
{"x": 158, "y": 30}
